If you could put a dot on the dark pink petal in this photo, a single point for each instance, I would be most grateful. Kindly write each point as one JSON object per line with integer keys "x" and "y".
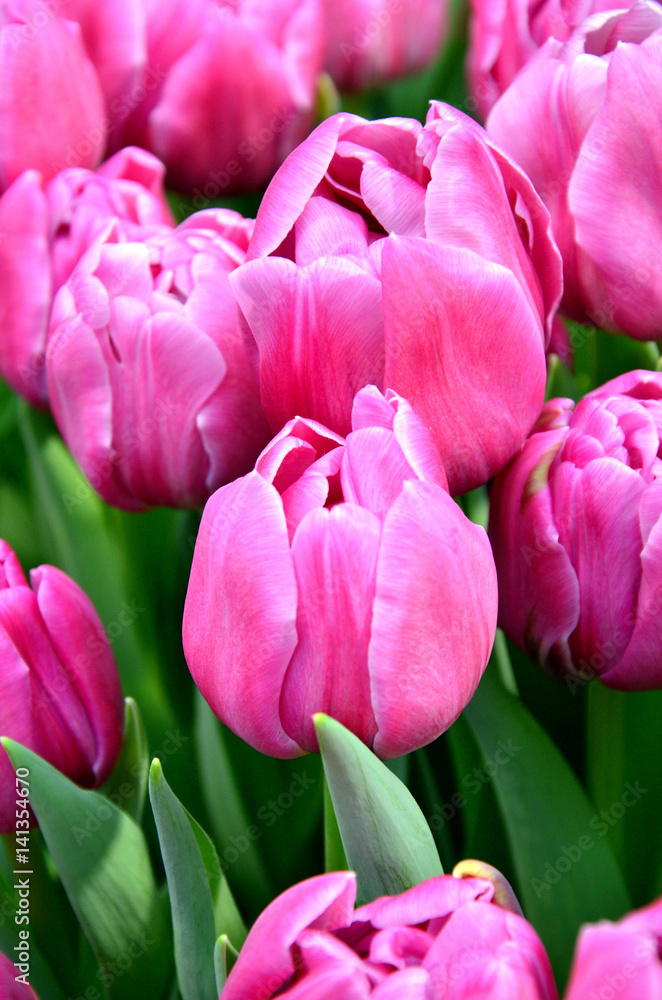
{"x": 10, "y": 989}
{"x": 325, "y": 229}
{"x": 613, "y": 953}
{"x": 464, "y": 347}
{"x": 408, "y": 984}
{"x": 11, "y": 571}
{"x": 240, "y": 611}
{"x": 374, "y": 470}
{"x": 320, "y": 334}
{"x": 335, "y": 557}
{"x": 432, "y": 899}
{"x": 266, "y": 962}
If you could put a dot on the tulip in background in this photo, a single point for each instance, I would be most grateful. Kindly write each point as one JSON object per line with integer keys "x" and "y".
{"x": 503, "y": 36}
{"x": 10, "y": 989}
{"x": 445, "y": 938}
{"x": 576, "y": 529}
{"x": 235, "y": 89}
{"x": 148, "y": 377}
{"x": 619, "y": 959}
{"x": 584, "y": 120}
{"x": 340, "y": 577}
{"x": 369, "y": 41}
{"x": 59, "y": 690}
{"x": 44, "y": 230}
{"x": 51, "y": 104}
{"x": 416, "y": 258}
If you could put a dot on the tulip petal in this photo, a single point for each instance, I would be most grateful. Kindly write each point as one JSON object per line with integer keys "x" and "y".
{"x": 408, "y": 984}
{"x": 373, "y": 470}
{"x": 608, "y": 953}
{"x": 266, "y": 962}
{"x": 335, "y": 557}
{"x": 240, "y": 611}
{"x": 433, "y": 899}
{"x": 325, "y": 229}
{"x": 319, "y": 331}
{"x": 464, "y": 347}
{"x": 434, "y": 619}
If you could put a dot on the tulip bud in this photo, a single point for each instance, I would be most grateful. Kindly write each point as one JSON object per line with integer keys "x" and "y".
{"x": 340, "y": 577}
{"x": 61, "y": 694}
{"x": 576, "y": 529}
{"x": 443, "y": 938}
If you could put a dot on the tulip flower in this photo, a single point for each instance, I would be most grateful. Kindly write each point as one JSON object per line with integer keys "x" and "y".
{"x": 10, "y": 986}
{"x": 51, "y": 104}
{"x": 230, "y": 106}
{"x": 148, "y": 376}
{"x": 504, "y": 36}
{"x": 60, "y": 693}
{"x": 576, "y": 529}
{"x": 369, "y": 41}
{"x": 583, "y": 120}
{"x": 339, "y": 577}
{"x": 416, "y": 258}
{"x": 445, "y": 938}
{"x": 619, "y": 959}
{"x": 44, "y": 230}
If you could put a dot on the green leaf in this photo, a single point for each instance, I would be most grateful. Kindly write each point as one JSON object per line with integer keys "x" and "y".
{"x": 387, "y": 840}
{"x": 102, "y": 859}
{"x": 334, "y": 852}
{"x": 224, "y": 958}
{"x": 566, "y": 872}
{"x": 127, "y": 785}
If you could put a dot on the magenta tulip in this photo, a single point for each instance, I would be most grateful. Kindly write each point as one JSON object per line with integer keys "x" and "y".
{"x": 45, "y": 229}
{"x": 583, "y": 119}
{"x": 416, "y": 258}
{"x": 51, "y": 104}
{"x": 576, "y": 528}
{"x": 619, "y": 959}
{"x": 148, "y": 376}
{"x": 59, "y": 690}
{"x": 14, "y": 984}
{"x": 340, "y": 577}
{"x": 506, "y": 34}
{"x": 239, "y": 97}
{"x": 369, "y": 41}
{"x": 445, "y": 939}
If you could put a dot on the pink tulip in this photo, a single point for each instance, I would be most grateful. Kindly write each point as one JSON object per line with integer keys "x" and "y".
{"x": 51, "y": 105}
{"x": 12, "y": 986}
{"x": 576, "y": 528}
{"x": 506, "y": 34}
{"x": 369, "y": 41}
{"x": 583, "y": 119}
{"x": 416, "y": 258}
{"x": 148, "y": 376}
{"x": 619, "y": 959}
{"x": 60, "y": 693}
{"x": 239, "y": 97}
{"x": 340, "y": 577}
{"x": 45, "y": 229}
{"x": 445, "y": 939}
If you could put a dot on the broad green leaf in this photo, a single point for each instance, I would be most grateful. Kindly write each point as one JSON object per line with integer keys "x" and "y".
{"x": 190, "y": 895}
{"x": 127, "y": 785}
{"x": 102, "y": 859}
{"x": 566, "y": 872}
{"x": 387, "y": 840}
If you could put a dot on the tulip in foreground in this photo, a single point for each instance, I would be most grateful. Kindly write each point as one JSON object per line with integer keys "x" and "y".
{"x": 576, "y": 528}
{"x": 445, "y": 939}
{"x": 44, "y": 230}
{"x": 148, "y": 377}
{"x": 59, "y": 690}
{"x": 584, "y": 119}
{"x": 340, "y": 577}
{"x": 416, "y": 258}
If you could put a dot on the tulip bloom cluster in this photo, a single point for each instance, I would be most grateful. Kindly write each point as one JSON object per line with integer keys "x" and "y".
{"x": 576, "y": 529}
{"x": 416, "y": 258}
{"x": 60, "y": 693}
{"x": 583, "y": 120}
{"x": 340, "y": 577}
{"x": 45, "y": 228}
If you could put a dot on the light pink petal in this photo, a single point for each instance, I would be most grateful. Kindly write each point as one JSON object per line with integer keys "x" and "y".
{"x": 240, "y": 611}
{"x": 464, "y": 347}
{"x": 325, "y": 229}
{"x": 616, "y": 189}
{"x": 612, "y": 956}
{"x": 335, "y": 557}
{"x": 433, "y": 899}
{"x": 81, "y": 645}
{"x": 25, "y": 287}
{"x": 266, "y": 962}
{"x": 319, "y": 331}
{"x": 417, "y": 442}
{"x": 374, "y": 470}
{"x": 409, "y": 984}
{"x": 396, "y": 201}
